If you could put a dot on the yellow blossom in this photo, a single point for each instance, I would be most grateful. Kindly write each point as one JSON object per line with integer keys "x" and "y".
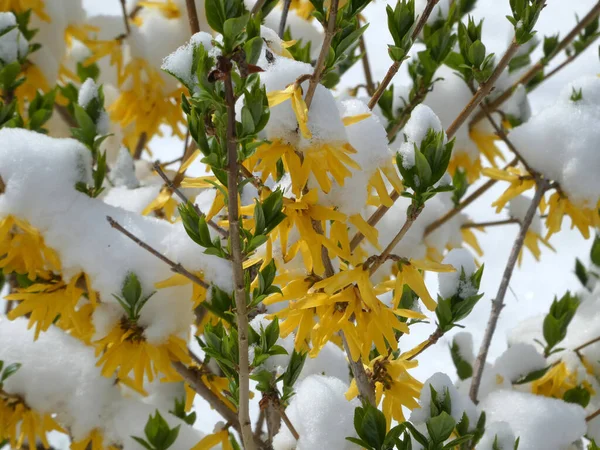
{"x": 303, "y": 8}
{"x": 168, "y": 9}
{"x": 164, "y": 205}
{"x": 43, "y": 303}
{"x": 212, "y": 440}
{"x": 19, "y": 422}
{"x": 519, "y": 183}
{"x": 486, "y": 143}
{"x": 463, "y": 161}
{"x": 198, "y": 292}
{"x": 20, "y": 6}
{"x": 555, "y": 382}
{"x": 125, "y": 349}
{"x": 583, "y": 218}
{"x": 470, "y": 239}
{"x": 532, "y": 241}
{"x": 393, "y": 384}
{"x": 293, "y": 93}
{"x": 23, "y": 250}
{"x": 95, "y": 441}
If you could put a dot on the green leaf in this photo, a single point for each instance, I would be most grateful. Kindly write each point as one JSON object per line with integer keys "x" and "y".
{"x": 581, "y": 273}
{"x": 532, "y": 376}
{"x": 9, "y": 371}
{"x": 132, "y": 289}
{"x": 578, "y": 395}
{"x": 440, "y": 427}
{"x": 595, "y": 251}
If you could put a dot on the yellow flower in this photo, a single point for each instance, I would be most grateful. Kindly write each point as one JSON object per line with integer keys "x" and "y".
{"x": 394, "y": 384}
{"x": 555, "y": 382}
{"x": 19, "y": 422}
{"x": 212, "y": 440}
{"x": 164, "y": 205}
{"x": 470, "y": 239}
{"x": 95, "y": 441}
{"x": 303, "y": 8}
{"x": 198, "y": 292}
{"x": 293, "y": 93}
{"x": 126, "y": 350}
{"x": 168, "y": 9}
{"x": 217, "y": 385}
{"x": 377, "y": 184}
{"x": 43, "y": 303}
{"x": 583, "y": 218}
{"x": 20, "y": 6}
{"x": 486, "y": 143}
{"x": 532, "y": 240}
{"x": 463, "y": 161}
{"x": 519, "y": 183}
{"x": 23, "y": 250}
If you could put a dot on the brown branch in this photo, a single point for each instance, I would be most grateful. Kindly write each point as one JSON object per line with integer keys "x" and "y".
{"x": 366, "y": 65}
{"x": 258, "y": 428}
{"x": 320, "y": 66}
{"x": 366, "y": 388}
{"x": 411, "y": 216}
{"x": 125, "y": 18}
{"x": 373, "y": 220}
{"x": 593, "y": 416}
{"x": 139, "y": 147}
{"x": 186, "y": 200}
{"x": 491, "y": 223}
{"x": 483, "y": 90}
{"x": 238, "y": 269}
{"x": 466, "y": 202}
{"x": 257, "y": 7}
{"x": 568, "y": 61}
{"x": 284, "y": 16}
{"x": 431, "y": 340}
{"x": 498, "y": 302}
{"x": 543, "y": 62}
{"x": 396, "y": 64}
{"x": 175, "y": 267}
{"x": 586, "y": 344}
{"x": 192, "y": 16}
{"x": 288, "y": 422}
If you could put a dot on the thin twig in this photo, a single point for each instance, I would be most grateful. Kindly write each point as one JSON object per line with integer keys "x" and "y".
{"x": 593, "y": 416}
{"x": 543, "y": 62}
{"x": 366, "y": 388}
{"x": 431, "y": 340}
{"x": 125, "y": 17}
{"x": 320, "y": 66}
{"x": 192, "y": 16}
{"x": 175, "y": 267}
{"x": 284, "y": 16}
{"x": 393, "y": 70}
{"x": 498, "y": 302}
{"x": 366, "y": 65}
{"x": 405, "y": 114}
{"x": 568, "y": 61}
{"x": 586, "y": 344}
{"x": 258, "y": 428}
{"x": 257, "y": 7}
{"x": 186, "y": 200}
{"x": 491, "y": 223}
{"x": 238, "y": 269}
{"x": 373, "y": 220}
{"x": 411, "y": 216}
{"x": 466, "y": 202}
{"x": 139, "y": 147}
{"x": 483, "y": 90}
{"x": 288, "y": 422}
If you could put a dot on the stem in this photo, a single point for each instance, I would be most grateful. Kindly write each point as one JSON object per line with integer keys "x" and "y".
{"x": 586, "y": 344}
{"x": 320, "y": 66}
{"x": 288, "y": 422}
{"x": 125, "y": 17}
{"x": 405, "y": 114}
{"x": 139, "y": 147}
{"x": 257, "y": 7}
{"x": 411, "y": 216}
{"x": 175, "y": 267}
{"x": 432, "y": 340}
{"x": 543, "y": 62}
{"x": 593, "y": 416}
{"x": 491, "y": 223}
{"x": 483, "y": 90}
{"x": 192, "y": 16}
{"x": 366, "y": 388}
{"x": 466, "y": 202}
{"x": 565, "y": 63}
{"x": 366, "y": 65}
{"x": 284, "y": 15}
{"x": 238, "y": 270}
{"x": 373, "y": 220}
{"x": 498, "y": 302}
{"x": 186, "y": 200}
{"x": 396, "y": 64}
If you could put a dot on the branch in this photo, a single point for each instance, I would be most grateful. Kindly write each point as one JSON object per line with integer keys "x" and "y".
{"x": 396, "y": 64}
{"x": 366, "y": 388}
{"x": 139, "y": 147}
{"x": 566, "y": 62}
{"x": 543, "y": 62}
{"x": 366, "y": 65}
{"x": 192, "y": 16}
{"x": 238, "y": 269}
{"x": 491, "y": 223}
{"x": 406, "y": 112}
{"x": 175, "y": 267}
{"x": 498, "y": 302}
{"x": 411, "y": 216}
{"x": 125, "y": 18}
{"x": 593, "y": 416}
{"x": 466, "y": 202}
{"x": 288, "y": 422}
{"x": 186, "y": 200}
{"x": 373, "y": 220}
{"x": 431, "y": 340}
{"x": 320, "y": 66}
{"x": 257, "y": 7}
{"x": 284, "y": 15}
{"x": 586, "y": 344}
{"x": 483, "y": 90}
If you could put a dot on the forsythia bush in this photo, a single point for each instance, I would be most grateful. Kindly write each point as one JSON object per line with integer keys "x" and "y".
{"x": 274, "y": 288}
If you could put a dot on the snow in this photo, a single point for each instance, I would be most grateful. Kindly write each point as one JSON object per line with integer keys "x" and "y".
{"x": 81, "y": 397}
{"x": 13, "y": 44}
{"x": 560, "y": 424}
{"x": 321, "y": 415}
{"x": 421, "y": 121}
{"x": 122, "y": 173}
{"x": 519, "y": 360}
{"x": 179, "y": 63}
{"x": 331, "y": 361}
{"x": 464, "y": 341}
{"x": 449, "y": 282}
{"x": 497, "y": 436}
{"x": 460, "y": 403}
{"x": 560, "y": 141}
{"x": 87, "y": 92}
{"x": 76, "y": 227}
